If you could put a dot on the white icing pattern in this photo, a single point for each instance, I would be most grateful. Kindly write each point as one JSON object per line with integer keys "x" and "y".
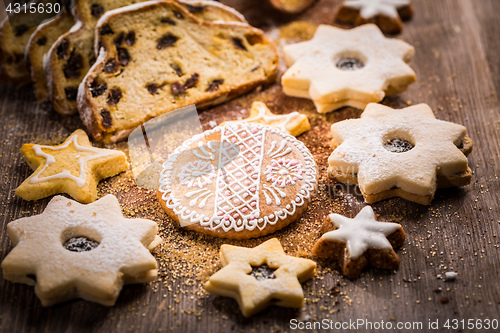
{"x": 82, "y": 160}
{"x": 371, "y": 8}
{"x": 238, "y": 183}
{"x": 362, "y": 232}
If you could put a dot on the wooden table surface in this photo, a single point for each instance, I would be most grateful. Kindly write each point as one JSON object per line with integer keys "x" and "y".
{"x": 457, "y": 63}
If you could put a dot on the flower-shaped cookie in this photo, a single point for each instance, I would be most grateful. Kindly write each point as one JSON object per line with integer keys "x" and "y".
{"x": 347, "y": 67}
{"x": 386, "y": 14}
{"x": 73, "y": 167}
{"x": 406, "y": 153}
{"x": 293, "y": 123}
{"x": 80, "y": 251}
{"x": 261, "y": 276}
{"x": 359, "y": 242}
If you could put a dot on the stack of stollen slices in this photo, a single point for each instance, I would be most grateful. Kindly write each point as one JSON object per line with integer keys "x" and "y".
{"x": 230, "y": 58}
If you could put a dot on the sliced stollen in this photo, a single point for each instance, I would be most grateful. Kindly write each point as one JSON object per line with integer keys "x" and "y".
{"x": 170, "y": 65}
{"x": 38, "y": 47}
{"x": 72, "y": 55}
{"x": 15, "y": 32}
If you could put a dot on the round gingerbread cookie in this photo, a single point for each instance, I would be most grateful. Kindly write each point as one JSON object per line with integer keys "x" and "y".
{"x": 238, "y": 181}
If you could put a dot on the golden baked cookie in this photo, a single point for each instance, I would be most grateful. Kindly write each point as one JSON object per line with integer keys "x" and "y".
{"x": 80, "y": 251}
{"x": 261, "y": 276}
{"x": 291, "y": 6}
{"x": 73, "y": 167}
{"x": 238, "y": 181}
{"x": 293, "y": 123}
{"x": 359, "y": 242}
{"x": 404, "y": 153}
{"x": 386, "y": 14}
{"x": 340, "y": 68}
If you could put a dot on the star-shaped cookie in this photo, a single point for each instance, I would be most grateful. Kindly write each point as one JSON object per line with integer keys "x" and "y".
{"x": 386, "y": 14}
{"x": 400, "y": 152}
{"x": 359, "y": 242}
{"x": 293, "y": 123}
{"x": 80, "y": 251}
{"x": 261, "y": 276}
{"x": 73, "y": 167}
{"x": 347, "y": 67}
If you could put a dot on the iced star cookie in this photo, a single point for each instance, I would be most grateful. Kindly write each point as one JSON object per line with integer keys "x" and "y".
{"x": 359, "y": 242}
{"x": 347, "y": 67}
{"x": 73, "y": 167}
{"x": 293, "y": 123}
{"x": 80, "y": 251}
{"x": 238, "y": 181}
{"x": 405, "y": 153}
{"x": 261, "y": 276}
{"x": 386, "y": 14}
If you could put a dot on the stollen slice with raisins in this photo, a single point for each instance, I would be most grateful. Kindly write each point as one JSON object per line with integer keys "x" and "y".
{"x": 39, "y": 46}
{"x": 15, "y": 32}
{"x": 72, "y": 55}
{"x": 172, "y": 65}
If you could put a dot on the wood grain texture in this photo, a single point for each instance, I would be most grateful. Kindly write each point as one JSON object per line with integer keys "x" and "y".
{"x": 458, "y": 69}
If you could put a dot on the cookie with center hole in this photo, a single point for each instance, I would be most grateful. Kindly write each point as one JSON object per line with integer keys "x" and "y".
{"x": 405, "y": 153}
{"x": 238, "y": 181}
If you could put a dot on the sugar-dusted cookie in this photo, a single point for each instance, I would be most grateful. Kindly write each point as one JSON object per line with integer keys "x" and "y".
{"x": 386, "y": 14}
{"x": 261, "y": 276}
{"x": 347, "y": 67}
{"x": 359, "y": 242}
{"x": 80, "y": 251}
{"x": 293, "y": 123}
{"x": 73, "y": 167}
{"x": 406, "y": 153}
{"x": 238, "y": 181}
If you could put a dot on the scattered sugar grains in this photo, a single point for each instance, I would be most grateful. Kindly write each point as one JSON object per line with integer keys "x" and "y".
{"x": 187, "y": 259}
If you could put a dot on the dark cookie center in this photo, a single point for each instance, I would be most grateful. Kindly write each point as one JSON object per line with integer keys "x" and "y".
{"x": 398, "y": 146}
{"x": 80, "y": 244}
{"x": 350, "y": 64}
{"x": 262, "y": 273}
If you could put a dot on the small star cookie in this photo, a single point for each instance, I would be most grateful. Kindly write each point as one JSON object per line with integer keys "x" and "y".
{"x": 293, "y": 123}
{"x": 347, "y": 67}
{"x": 80, "y": 251}
{"x": 261, "y": 276}
{"x": 386, "y": 14}
{"x": 404, "y": 153}
{"x": 73, "y": 167}
{"x": 359, "y": 242}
